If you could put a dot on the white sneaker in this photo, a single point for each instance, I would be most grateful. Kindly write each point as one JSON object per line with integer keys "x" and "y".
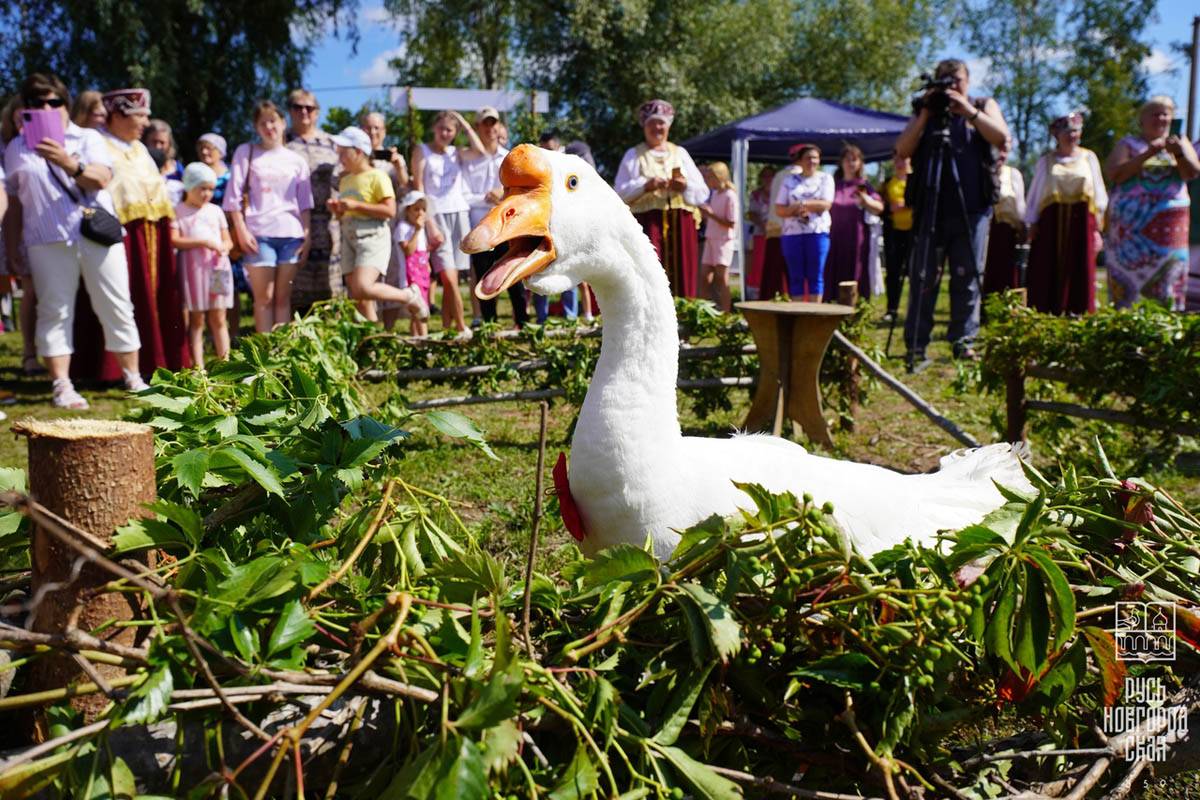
{"x": 134, "y": 382}
{"x": 465, "y": 335}
{"x": 65, "y": 396}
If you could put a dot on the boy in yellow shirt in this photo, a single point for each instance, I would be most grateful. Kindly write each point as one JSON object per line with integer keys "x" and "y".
{"x": 365, "y": 205}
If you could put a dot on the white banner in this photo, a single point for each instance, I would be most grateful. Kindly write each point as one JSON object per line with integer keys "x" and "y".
{"x": 433, "y": 99}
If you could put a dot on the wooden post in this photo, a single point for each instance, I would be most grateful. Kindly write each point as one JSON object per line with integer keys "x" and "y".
{"x": 1015, "y": 410}
{"x": 848, "y": 296}
{"x": 97, "y": 475}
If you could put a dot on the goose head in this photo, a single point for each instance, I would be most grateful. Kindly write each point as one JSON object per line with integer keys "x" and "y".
{"x": 562, "y": 223}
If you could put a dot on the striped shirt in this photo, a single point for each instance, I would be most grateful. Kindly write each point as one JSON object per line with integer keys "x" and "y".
{"x": 49, "y": 214}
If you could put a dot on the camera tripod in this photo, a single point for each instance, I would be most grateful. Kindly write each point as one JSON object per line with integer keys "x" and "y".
{"x": 926, "y": 235}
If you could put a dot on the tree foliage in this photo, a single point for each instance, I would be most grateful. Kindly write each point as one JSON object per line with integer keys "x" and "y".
{"x": 714, "y": 60}
{"x": 1105, "y": 74}
{"x": 1022, "y": 41}
{"x": 204, "y": 61}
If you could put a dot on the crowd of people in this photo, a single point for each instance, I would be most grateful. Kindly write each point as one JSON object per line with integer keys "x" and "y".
{"x": 811, "y": 230}
{"x": 128, "y": 253}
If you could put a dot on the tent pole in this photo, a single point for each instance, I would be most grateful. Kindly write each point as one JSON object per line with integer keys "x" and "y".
{"x": 740, "y": 160}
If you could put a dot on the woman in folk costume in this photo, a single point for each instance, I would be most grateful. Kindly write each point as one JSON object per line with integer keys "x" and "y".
{"x": 144, "y": 209}
{"x": 1147, "y": 255}
{"x": 1065, "y": 212}
{"x": 664, "y": 189}
{"x": 1008, "y": 228}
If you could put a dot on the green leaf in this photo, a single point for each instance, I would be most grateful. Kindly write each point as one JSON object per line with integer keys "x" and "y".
{"x": 1059, "y": 683}
{"x": 580, "y": 781}
{"x": 293, "y": 627}
{"x": 621, "y": 562}
{"x": 11, "y": 480}
{"x": 459, "y": 426}
{"x": 188, "y": 520}
{"x": 465, "y": 778}
{"x": 688, "y": 688}
{"x": 124, "y": 786}
{"x": 1033, "y": 623}
{"x": 848, "y": 670}
{"x": 502, "y": 746}
{"x": 998, "y": 636}
{"x": 711, "y": 624}
{"x": 497, "y": 701}
{"x": 263, "y": 475}
{"x": 473, "y": 664}
{"x": 149, "y": 700}
{"x": 189, "y": 467}
{"x": 1062, "y": 599}
{"x": 139, "y": 533}
{"x": 704, "y": 783}
{"x": 245, "y": 638}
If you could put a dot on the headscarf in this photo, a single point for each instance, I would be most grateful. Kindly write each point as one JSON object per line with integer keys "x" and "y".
{"x": 127, "y": 101}
{"x": 1072, "y": 121}
{"x": 216, "y": 140}
{"x": 196, "y": 174}
{"x": 796, "y": 150}
{"x": 656, "y": 109}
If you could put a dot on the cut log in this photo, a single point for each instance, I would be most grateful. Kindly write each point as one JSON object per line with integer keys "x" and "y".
{"x": 97, "y": 475}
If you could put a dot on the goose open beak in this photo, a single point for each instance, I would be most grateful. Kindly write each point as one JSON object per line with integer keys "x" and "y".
{"x": 522, "y": 219}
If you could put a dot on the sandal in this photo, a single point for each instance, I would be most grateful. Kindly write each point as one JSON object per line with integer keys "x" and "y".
{"x": 65, "y": 396}
{"x": 134, "y": 383}
{"x": 417, "y": 307}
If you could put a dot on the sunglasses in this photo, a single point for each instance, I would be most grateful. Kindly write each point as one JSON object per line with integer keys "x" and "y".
{"x": 43, "y": 102}
{"x": 301, "y": 107}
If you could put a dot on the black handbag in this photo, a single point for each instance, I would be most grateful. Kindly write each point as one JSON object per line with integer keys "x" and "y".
{"x": 97, "y": 224}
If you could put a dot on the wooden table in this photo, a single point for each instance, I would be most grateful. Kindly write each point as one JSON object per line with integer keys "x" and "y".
{"x": 791, "y": 339}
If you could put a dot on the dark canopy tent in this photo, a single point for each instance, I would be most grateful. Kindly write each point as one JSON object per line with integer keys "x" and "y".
{"x": 767, "y": 137}
{"x": 822, "y": 122}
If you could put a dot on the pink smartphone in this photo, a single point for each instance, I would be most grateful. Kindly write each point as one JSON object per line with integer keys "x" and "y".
{"x": 42, "y": 123}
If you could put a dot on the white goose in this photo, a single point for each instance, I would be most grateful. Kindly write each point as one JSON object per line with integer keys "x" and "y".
{"x": 632, "y": 472}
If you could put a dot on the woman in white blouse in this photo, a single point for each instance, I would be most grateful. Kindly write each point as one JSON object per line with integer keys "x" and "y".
{"x": 664, "y": 190}
{"x": 1065, "y": 212}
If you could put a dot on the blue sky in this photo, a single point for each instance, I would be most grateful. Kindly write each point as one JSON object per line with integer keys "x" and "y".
{"x": 343, "y": 77}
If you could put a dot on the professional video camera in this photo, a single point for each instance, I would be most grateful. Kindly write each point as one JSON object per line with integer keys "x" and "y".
{"x": 933, "y": 96}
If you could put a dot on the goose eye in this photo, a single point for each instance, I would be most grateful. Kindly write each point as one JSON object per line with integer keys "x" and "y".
{"x": 572, "y": 183}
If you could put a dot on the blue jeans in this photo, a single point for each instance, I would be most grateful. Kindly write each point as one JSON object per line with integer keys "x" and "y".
{"x": 956, "y": 245}
{"x": 570, "y": 302}
{"x": 805, "y": 254}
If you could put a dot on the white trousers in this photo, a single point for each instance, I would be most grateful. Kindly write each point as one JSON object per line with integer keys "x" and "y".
{"x": 56, "y": 270}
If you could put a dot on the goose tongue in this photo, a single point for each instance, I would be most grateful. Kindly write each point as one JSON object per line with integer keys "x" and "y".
{"x": 519, "y": 251}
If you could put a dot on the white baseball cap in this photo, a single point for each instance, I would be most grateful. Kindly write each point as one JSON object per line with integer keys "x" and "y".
{"x": 411, "y": 197}
{"x": 354, "y": 137}
{"x": 487, "y": 112}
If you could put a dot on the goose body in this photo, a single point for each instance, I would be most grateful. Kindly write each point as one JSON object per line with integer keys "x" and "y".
{"x": 632, "y": 473}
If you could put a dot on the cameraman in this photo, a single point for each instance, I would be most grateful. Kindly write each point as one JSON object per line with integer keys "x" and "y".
{"x": 975, "y": 126}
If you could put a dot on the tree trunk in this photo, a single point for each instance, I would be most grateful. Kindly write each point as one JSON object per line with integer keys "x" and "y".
{"x": 97, "y": 475}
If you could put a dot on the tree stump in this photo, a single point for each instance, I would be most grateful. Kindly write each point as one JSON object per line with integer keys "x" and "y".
{"x": 97, "y": 475}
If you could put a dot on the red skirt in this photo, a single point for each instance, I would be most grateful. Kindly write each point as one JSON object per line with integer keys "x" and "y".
{"x": 683, "y": 251}
{"x": 754, "y": 275}
{"x": 1000, "y": 270}
{"x": 157, "y": 295}
{"x": 1061, "y": 277}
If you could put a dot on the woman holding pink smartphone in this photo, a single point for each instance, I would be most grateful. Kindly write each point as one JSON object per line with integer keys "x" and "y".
{"x": 50, "y": 184}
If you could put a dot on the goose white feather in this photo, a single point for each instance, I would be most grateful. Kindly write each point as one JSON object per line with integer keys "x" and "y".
{"x": 633, "y": 474}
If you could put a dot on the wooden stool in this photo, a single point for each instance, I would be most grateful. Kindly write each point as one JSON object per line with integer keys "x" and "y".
{"x": 791, "y": 339}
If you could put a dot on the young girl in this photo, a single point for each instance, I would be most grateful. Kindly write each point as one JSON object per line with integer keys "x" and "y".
{"x": 201, "y": 235}
{"x": 413, "y": 246}
{"x": 721, "y": 213}
{"x": 272, "y": 225}
{"x": 365, "y": 206}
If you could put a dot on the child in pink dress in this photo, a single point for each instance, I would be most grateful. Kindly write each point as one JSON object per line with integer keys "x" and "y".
{"x": 721, "y": 215}
{"x": 201, "y": 235}
{"x": 413, "y": 245}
